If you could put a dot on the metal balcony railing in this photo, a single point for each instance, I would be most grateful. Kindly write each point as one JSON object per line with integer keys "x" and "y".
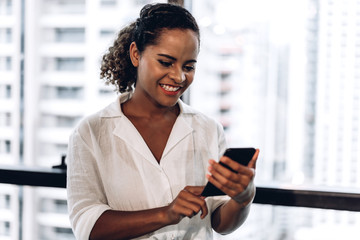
{"x": 273, "y": 195}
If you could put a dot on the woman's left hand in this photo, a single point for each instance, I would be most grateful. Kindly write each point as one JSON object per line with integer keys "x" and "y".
{"x": 239, "y": 184}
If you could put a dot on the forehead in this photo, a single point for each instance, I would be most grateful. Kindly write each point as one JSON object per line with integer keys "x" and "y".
{"x": 177, "y": 41}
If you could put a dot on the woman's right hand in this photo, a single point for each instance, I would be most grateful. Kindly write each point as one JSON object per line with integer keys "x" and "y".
{"x": 114, "y": 224}
{"x": 187, "y": 204}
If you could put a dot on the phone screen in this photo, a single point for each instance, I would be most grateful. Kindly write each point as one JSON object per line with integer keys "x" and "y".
{"x": 240, "y": 155}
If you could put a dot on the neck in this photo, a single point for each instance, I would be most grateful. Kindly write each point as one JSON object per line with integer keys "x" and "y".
{"x": 143, "y": 108}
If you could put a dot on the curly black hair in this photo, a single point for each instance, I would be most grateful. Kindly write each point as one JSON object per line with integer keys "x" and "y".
{"x": 116, "y": 67}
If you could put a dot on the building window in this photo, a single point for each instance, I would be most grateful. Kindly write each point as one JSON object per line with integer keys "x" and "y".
{"x": 66, "y": 121}
{"x": 5, "y": 146}
{"x": 61, "y": 148}
{"x": 69, "y": 92}
{"x": 65, "y": 233}
{"x": 53, "y": 205}
{"x": 108, "y": 3}
{"x": 106, "y": 92}
{"x": 4, "y": 228}
{"x": 5, "y": 35}
{"x": 5, "y": 201}
{"x": 63, "y": 64}
{"x": 69, "y": 35}
{"x": 59, "y": 121}
{"x": 69, "y": 64}
{"x": 50, "y": 149}
{"x": 107, "y": 33}
{"x": 5, "y": 63}
{"x": 5, "y": 7}
{"x": 5, "y": 91}
{"x": 64, "y": 7}
{"x": 56, "y": 233}
{"x": 5, "y": 119}
{"x": 8, "y": 91}
{"x": 62, "y": 92}
{"x": 8, "y": 35}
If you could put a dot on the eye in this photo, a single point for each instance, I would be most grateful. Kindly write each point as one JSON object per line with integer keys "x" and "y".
{"x": 165, "y": 63}
{"x": 189, "y": 68}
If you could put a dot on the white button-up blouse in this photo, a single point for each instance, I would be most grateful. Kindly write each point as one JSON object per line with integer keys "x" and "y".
{"x": 111, "y": 167}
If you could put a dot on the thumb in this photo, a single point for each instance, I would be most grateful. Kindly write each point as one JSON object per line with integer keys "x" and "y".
{"x": 252, "y": 163}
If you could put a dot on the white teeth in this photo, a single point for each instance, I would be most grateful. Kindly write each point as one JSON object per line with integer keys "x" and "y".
{"x": 169, "y": 88}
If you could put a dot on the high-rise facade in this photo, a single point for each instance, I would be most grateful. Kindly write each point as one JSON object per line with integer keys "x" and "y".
{"x": 337, "y": 110}
{"x": 338, "y": 95}
{"x": 63, "y": 42}
{"x": 252, "y": 74}
{"x": 10, "y": 56}
{"x": 283, "y": 76}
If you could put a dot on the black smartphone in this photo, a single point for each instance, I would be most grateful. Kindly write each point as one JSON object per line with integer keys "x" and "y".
{"x": 240, "y": 155}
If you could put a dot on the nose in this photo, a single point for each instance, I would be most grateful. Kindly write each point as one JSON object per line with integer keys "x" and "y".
{"x": 177, "y": 75}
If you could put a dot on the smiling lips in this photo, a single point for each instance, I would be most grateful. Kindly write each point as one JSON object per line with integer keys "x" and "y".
{"x": 170, "y": 89}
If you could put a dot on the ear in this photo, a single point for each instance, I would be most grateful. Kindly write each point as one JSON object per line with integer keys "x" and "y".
{"x": 134, "y": 54}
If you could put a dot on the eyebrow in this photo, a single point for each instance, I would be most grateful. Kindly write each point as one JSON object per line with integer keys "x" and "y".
{"x": 174, "y": 59}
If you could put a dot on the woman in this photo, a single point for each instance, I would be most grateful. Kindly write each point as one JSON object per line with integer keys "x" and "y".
{"x": 137, "y": 168}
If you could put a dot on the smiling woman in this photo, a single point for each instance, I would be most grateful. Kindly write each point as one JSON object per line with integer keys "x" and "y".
{"x": 137, "y": 168}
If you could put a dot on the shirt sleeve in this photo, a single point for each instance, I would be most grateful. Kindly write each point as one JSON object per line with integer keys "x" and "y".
{"x": 86, "y": 198}
{"x": 221, "y": 140}
{"x": 214, "y": 202}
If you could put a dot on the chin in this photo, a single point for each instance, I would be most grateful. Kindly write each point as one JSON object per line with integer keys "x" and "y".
{"x": 168, "y": 103}
{"x": 172, "y": 104}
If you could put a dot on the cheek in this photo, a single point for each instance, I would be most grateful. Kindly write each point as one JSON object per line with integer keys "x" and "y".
{"x": 190, "y": 77}
{"x": 144, "y": 71}
{"x": 149, "y": 71}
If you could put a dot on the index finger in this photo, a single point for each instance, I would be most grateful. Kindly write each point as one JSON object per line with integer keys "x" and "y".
{"x": 252, "y": 163}
{"x": 196, "y": 190}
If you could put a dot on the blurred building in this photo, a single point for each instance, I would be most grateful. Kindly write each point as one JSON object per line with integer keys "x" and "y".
{"x": 251, "y": 73}
{"x": 287, "y": 80}
{"x": 10, "y": 75}
{"x": 337, "y": 109}
{"x": 56, "y": 67}
{"x": 338, "y": 95}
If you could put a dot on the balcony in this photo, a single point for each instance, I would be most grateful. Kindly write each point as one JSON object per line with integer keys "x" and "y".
{"x": 310, "y": 197}
{"x": 275, "y": 200}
